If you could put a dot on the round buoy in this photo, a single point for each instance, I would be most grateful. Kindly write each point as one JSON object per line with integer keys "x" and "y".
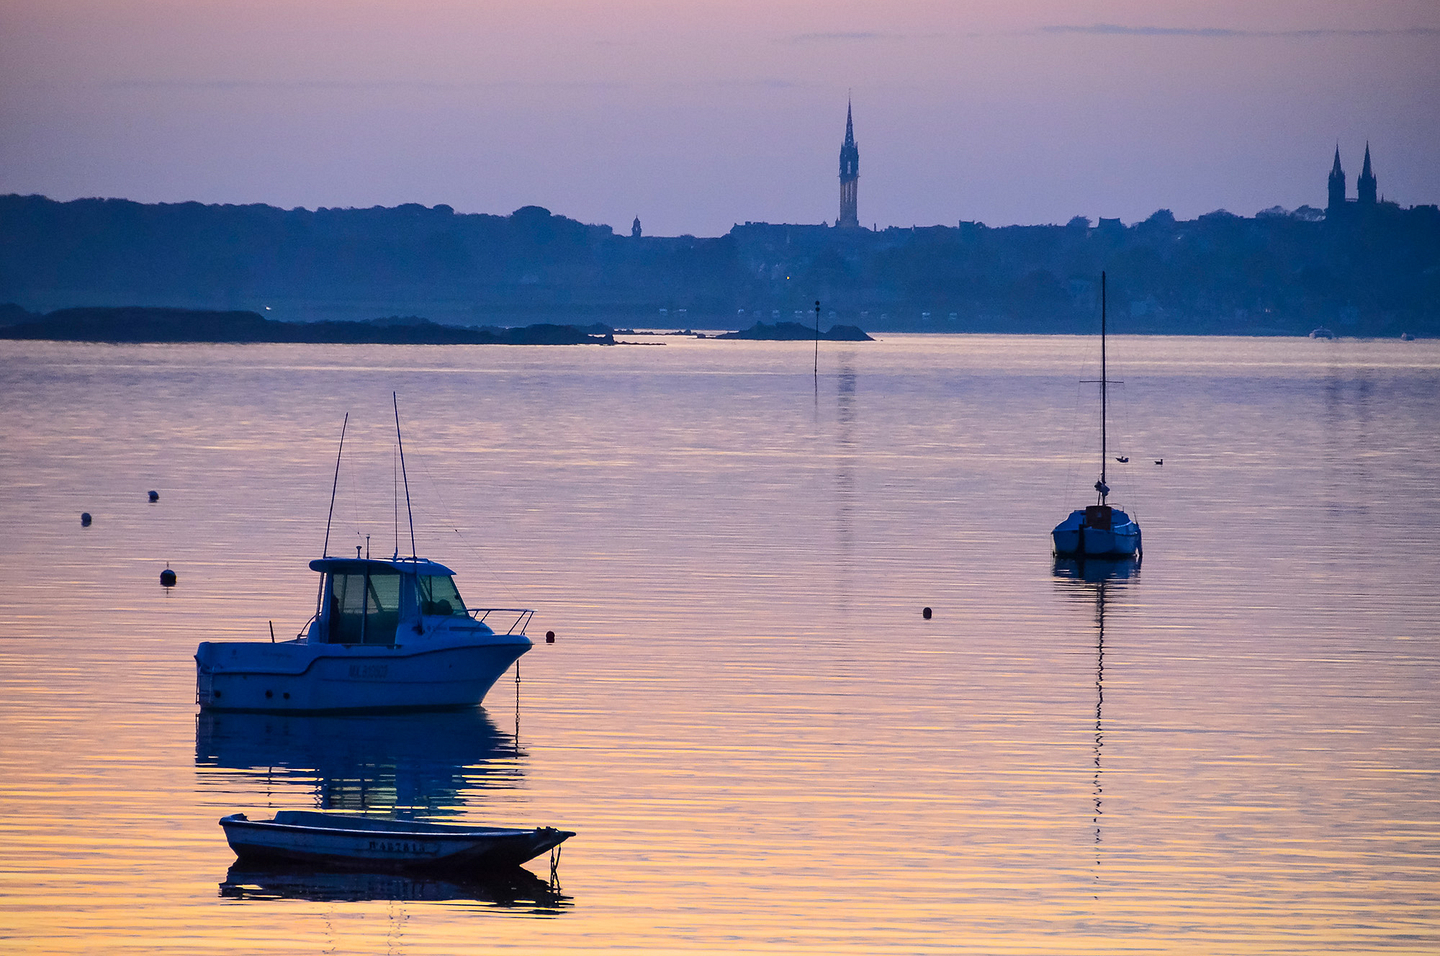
{"x": 154, "y": 496}
{"x": 167, "y": 578}
{"x": 84, "y": 519}
{"x": 549, "y": 637}
{"x": 925, "y": 614}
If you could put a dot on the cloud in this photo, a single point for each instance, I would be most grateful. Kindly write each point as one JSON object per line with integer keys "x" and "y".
{"x": 1115, "y": 29}
{"x": 242, "y": 86}
{"x": 346, "y": 85}
{"x": 837, "y": 37}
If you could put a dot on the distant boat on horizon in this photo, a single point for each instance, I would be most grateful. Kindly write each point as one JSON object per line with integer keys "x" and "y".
{"x": 1099, "y": 530}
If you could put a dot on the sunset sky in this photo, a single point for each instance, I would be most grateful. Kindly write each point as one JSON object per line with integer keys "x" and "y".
{"x": 697, "y": 115}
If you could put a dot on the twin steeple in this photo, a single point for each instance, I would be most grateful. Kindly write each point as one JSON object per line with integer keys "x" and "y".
{"x": 1367, "y": 186}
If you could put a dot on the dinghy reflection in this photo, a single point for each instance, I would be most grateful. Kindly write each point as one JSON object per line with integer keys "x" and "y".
{"x": 512, "y": 888}
{"x": 411, "y": 766}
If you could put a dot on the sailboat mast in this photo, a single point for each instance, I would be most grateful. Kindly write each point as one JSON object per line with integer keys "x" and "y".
{"x": 1104, "y": 385}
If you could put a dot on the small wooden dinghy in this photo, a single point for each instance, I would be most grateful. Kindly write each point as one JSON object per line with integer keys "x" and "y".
{"x": 314, "y": 837}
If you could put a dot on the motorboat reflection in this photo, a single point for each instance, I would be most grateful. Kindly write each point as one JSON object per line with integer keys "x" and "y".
{"x": 516, "y": 888}
{"x": 414, "y": 766}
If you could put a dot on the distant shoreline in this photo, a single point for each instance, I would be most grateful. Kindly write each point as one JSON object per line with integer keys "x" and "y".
{"x": 154, "y": 324}
{"x": 1367, "y": 274}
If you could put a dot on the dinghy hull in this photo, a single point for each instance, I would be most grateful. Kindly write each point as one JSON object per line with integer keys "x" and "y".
{"x": 312, "y": 837}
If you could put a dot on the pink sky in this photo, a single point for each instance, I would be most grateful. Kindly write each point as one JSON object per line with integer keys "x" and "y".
{"x": 698, "y": 115}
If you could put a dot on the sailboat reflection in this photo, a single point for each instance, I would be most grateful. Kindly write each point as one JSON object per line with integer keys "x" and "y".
{"x": 414, "y": 766}
{"x": 1098, "y": 579}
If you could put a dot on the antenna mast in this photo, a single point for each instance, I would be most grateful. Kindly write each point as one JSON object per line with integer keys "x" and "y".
{"x": 325, "y": 549}
{"x": 409, "y": 513}
{"x": 817, "y": 340}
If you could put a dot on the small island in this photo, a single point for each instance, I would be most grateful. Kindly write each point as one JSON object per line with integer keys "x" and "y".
{"x": 795, "y": 332}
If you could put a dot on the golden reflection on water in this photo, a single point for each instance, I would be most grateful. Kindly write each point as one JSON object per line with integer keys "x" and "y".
{"x": 762, "y": 745}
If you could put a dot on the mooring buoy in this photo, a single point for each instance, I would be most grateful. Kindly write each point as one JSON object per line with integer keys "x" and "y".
{"x": 549, "y": 637}
{"x": 167, "y": 578}
{"x": 154, "y": 497}
{"x": 925, "y": 613}
{"x": 84, "y": 519}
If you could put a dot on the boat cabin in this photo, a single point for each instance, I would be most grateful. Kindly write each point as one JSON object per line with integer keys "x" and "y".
{"x": 365, "y": 601}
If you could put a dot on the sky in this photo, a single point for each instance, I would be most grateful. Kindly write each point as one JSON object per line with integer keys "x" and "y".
{"x": 697, "y": 115}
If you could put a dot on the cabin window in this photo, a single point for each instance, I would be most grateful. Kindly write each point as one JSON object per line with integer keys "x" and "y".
{"x": 364, "y": 608}
{"x": 439, "y": 596}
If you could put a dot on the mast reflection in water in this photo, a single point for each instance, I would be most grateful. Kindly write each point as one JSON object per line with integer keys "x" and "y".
{"x": 1097, "y": 580}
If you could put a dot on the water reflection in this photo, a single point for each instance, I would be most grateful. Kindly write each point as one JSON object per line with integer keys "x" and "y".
{"x": 1348, "y": 432}
{"x": 1095, "y": 571}
{"x": 516, "y": 887}
{"x": 414, "y": 766}
{"x": 1097, "y": 580}
{"x": 845, "y": 468}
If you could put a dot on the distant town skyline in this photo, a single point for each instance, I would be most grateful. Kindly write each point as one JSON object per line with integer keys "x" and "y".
{"x": 724, "y": 112}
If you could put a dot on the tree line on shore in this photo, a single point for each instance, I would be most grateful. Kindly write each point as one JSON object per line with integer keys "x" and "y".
{"x": 1275, "y": 273}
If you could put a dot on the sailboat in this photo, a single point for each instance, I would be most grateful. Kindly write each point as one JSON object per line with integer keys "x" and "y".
{"x": 1099, "y": 530}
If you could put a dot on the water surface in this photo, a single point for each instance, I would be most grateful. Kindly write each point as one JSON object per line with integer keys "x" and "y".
{"x": 761, "y": 743}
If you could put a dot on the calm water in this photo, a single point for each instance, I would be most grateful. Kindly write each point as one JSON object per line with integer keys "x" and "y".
{"x": 762, "y": 744}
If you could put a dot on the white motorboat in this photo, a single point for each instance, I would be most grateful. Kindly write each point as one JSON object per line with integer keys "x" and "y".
{"x": 330, "y": 839}
{"x": 1099, "y": 530}
{"x": 386, "y": 635}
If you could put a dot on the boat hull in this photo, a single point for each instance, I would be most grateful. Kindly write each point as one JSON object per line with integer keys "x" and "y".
{"x": 301, "y": 678}
{"x": 1076, "y": 538}
{"x": 299, "y": 837}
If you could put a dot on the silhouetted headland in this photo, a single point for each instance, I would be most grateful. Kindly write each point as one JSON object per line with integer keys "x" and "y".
{"x": 145, "y": 324}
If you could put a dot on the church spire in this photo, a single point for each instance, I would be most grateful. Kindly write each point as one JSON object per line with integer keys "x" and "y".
{"x": 1336, "y": 205}
{"x": 1366, "y": 184}
{"x": 849, "y": 173}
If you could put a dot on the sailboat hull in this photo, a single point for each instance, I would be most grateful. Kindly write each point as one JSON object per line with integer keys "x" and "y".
{"x": 1075, "y": 537}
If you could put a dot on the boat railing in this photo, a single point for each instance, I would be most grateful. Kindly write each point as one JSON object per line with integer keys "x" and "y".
{"x": 522, "y": 619}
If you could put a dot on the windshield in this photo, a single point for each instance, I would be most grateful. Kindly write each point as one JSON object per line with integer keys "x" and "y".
{"x": 364, "y": 609}
{"x": 438, "y": 596}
